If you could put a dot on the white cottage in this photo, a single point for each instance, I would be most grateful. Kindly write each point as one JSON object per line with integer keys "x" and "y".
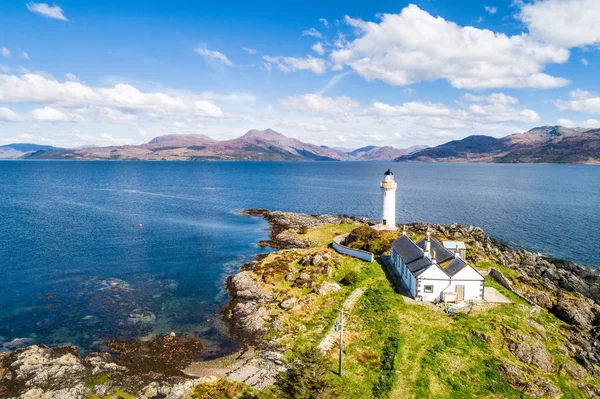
{"x": 434, "y": 273}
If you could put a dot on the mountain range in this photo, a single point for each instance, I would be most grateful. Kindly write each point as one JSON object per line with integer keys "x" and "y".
{"x": 545, "y": 144}
{"x": 260, "y": 145}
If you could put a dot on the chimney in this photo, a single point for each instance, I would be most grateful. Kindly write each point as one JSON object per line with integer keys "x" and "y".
{"x": 404, "y": 230}
{"x": 428, "y": 242}
{"x": 457, "y": 252}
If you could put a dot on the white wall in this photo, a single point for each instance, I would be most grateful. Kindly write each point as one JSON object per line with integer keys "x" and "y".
{"x": 435, "y": 276}
{"x": 355, "y": 253}
{"x": 472, "y": 281}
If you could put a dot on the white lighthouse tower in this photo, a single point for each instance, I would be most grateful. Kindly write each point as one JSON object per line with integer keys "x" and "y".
{"x": 388, "y": 186}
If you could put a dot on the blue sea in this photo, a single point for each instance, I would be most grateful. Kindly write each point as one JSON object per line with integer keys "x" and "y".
{"x": 91, "y": 251}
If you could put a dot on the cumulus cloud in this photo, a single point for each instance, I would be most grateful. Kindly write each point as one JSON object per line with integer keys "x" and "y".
{"x": 249, "y": 50}
{"x": 581, "y": 101}
{"x": 484, "y": 109}
{"x": 324, "y": 21}
{"x": 8, "y": 115}
{"x": 5, "y": 52}
{"x": 566, "y": 23}
{"x": 39, "y": 89}
{"x": 318, "y": 48}
{"x": 340, "y": 107}
{"x": 584, "y": 61}
{"x": 491, "y": 9}
{"x": 54, "y": 12}
{"x": 290, "y": 64}
{"x": 498, "y": 108}
{"x": 51, "y": 114}
{"x": 589, "y": 124}
{"x": 25, "y": 55}
{"x": 213, "y": 56}
{"x": 414, "y": 46}
{"x": 312, "y": 32}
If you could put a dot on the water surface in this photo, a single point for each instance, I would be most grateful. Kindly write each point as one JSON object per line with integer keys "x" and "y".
{"x": 97, "y": 250}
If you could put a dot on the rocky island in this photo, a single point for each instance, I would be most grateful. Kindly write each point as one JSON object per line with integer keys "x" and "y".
{"x": 544, "y": 342}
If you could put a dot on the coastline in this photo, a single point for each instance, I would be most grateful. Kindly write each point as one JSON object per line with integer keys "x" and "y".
{"x": 260, "y": 359}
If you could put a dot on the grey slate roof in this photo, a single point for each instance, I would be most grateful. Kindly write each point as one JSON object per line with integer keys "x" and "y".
{"x": 414, "y": 258}
{"x": 442, "y": 254}
{"x": 407, "y": 249}
{"x": 455, "y": 266}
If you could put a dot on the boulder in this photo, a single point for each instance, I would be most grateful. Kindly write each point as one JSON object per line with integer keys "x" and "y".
{"x": 499, "y": 277}
{"x": 575, "y": 312}
{"x": 243, "y": 286}
{"x": 316, "y": 259}
{"x": 325, "y": 288}
{"x": 575, "y": 371}
{"x": 304, "y": 276}
{"x": 528, "y": 382}
{"x": 288, "y": 303}
{"x": 290, "y": 277}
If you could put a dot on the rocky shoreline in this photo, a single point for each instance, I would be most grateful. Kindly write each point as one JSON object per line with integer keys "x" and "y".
{"x": 164, "y": 367}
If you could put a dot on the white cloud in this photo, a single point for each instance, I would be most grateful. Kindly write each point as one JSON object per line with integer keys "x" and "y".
{"x": 213, "y": 56}
{"x": 5, "y": 52}
{"x": 249, "y": 50}
{"x": 378, "y": 109}
{"x": 8, "y": 115}
{"x": 44, "y": 9}
{"x": 498, "y": 108}
{"x": 318, "y": 48}
{"x": 38, "y": 89}
{"x": 494, "y": 98}
{"x": 324, "y": 21}
{"x": 341, "y": 107}
{"x": 312, "y": 32}
{"x": 566, "y": 23}
{"x": 290, "y": 64}
{"x": 333, "y": 81}
{"x": 313, "y": 127}
{"x": 491, "y": 9}
{"x": 584, "y": 61}
{"x": 25, "y": 55}
{"x": 72, "y": 77}
{"x": 589, "y": 124}
{"x": 408, "y": 91}
{"x": 51, "y": 114}
{"x": 414, "y": 46}
{"x": 581, "y": 101}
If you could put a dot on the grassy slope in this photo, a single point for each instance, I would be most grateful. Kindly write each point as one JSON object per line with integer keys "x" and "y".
{"x": 438, "y": 356}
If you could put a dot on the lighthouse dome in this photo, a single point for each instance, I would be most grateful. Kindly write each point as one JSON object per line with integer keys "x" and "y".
{"x": 388, "y": 173}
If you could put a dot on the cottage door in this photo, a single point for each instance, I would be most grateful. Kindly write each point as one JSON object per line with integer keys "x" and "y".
{"x": 460, "y": 292}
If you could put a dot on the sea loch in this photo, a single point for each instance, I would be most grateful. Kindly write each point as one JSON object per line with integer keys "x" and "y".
{"x": 94, "y": 250}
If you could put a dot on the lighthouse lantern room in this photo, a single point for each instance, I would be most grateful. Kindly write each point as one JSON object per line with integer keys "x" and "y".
{"x": 388, "y": 187}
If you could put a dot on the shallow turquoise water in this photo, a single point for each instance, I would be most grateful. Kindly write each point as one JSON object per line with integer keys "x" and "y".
{"x": 77, "y": 268}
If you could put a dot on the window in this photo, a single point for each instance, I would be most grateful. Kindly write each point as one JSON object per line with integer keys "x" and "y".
{"x": 428, "y": 289}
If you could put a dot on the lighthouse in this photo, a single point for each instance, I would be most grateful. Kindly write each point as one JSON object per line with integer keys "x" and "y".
{"x": 388, "y": 186}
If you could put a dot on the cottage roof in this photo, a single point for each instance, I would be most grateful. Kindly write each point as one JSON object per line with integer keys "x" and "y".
{"x": 414, "y": 258}
{"x": 407, "y": 249}
{"x": 455, "y": 266}
{"x": 441, "y": 253}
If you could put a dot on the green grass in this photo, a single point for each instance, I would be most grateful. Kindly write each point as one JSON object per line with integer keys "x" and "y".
{"x": 323, "y": 235}
{"x": 438, "y": 356}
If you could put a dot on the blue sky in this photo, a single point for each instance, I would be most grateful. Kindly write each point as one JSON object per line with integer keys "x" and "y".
{"x": 74, "y": 73}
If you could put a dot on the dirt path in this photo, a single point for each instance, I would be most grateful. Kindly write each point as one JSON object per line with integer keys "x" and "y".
{"x": 332, "y": 335}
